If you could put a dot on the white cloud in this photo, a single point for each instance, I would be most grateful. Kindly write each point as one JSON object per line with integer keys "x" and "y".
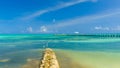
{"x": 116, "y": 28}
{"x": 60, "y": 6}
{"x": 101, "y": 28}
{"x": 76, "y": 32}
{"x": 43, "y": 29}
{"x": 30, "y": 29}
{"x": 97, "y": 27}
{"x": 112, "y": 28}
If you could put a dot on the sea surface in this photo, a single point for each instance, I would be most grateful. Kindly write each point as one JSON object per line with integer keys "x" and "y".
{"x": 73, "y": 51}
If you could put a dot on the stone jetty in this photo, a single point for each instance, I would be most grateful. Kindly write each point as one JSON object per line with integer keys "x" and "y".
{"x": 49, "y": 59}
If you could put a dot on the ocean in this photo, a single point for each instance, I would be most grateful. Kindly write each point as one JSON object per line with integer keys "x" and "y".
{"x": 72, "y": 51}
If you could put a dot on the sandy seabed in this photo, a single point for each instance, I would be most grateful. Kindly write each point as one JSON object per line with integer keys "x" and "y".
{"x": 88, "y": 59}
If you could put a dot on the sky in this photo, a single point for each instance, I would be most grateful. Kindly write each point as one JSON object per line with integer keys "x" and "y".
{"x": 59, "y": 16}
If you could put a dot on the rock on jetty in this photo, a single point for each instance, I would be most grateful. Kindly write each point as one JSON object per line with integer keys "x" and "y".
{"x": 49, "y": 59}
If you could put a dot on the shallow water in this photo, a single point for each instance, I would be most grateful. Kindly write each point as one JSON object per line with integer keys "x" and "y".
{"x": 87, "y": 59}
{"x": 73, "y": 51}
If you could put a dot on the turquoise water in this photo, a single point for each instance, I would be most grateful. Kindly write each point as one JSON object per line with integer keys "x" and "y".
{"x": 97, "y": 51}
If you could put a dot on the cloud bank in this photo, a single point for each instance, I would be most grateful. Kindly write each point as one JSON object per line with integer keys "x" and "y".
{"x": 101, "y": 28}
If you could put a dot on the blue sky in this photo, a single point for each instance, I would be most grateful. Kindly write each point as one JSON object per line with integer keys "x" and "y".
{"x": 59, "y": 16}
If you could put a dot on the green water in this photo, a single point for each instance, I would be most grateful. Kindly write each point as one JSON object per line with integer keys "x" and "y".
{"x": 73, "y": 51}
{"x": 89, "y": 59}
